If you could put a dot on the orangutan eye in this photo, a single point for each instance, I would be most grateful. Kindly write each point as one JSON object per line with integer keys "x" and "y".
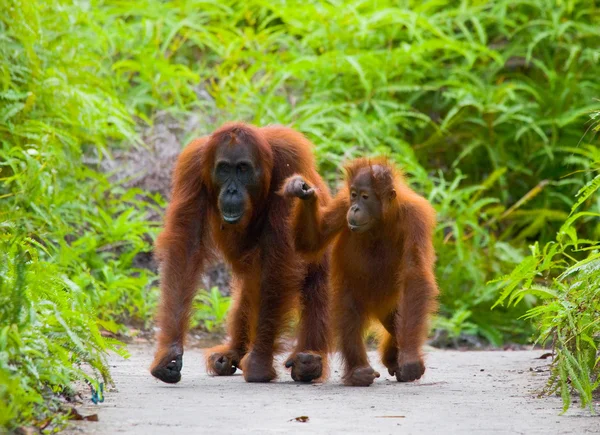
{"x": 222, "y": 168}
{"x": 353, "y": 195}
{"x": 365, "y": 196}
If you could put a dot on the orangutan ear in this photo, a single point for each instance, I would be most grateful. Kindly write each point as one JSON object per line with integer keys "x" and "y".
{"x": 392, "y": 194}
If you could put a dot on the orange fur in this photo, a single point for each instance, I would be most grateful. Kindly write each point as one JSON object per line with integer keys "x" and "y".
{"x": 385, "y": 274}
{"x": 268, "y": 275}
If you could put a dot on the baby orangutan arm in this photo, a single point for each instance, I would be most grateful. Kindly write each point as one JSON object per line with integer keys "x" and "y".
{"x": 314, "y": 225}
{"x": 419, "y": 289}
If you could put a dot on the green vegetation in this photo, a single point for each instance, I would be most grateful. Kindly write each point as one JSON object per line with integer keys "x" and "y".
{"x": 210, "y": 310}
{"x": 485, "y": 104}
{"x": 565, "y": 275}
{"x": 67, "y": 236}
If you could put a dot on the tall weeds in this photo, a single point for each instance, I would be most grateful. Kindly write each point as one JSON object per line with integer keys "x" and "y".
{"x": 565, "y": 275}
{"x": 67, "y": 237}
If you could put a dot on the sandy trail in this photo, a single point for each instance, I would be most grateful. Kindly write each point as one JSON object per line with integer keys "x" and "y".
{"x": 461, "y": 393}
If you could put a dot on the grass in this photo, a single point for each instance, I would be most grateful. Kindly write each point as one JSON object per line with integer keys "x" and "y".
{"x": 485, "y": 104}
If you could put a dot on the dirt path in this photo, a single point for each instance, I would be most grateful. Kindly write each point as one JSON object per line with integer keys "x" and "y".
{"x": 462, "y": 392}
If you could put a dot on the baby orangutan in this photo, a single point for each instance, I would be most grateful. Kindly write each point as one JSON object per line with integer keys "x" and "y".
{"x": 381, "y": 265}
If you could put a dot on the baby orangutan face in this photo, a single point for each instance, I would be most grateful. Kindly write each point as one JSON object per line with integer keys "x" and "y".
{"x": 365, "y": 208}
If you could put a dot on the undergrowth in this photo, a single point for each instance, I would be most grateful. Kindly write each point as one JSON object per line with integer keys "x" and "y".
{"x": 565, "y": 275}
{"x": 67, "y": 236}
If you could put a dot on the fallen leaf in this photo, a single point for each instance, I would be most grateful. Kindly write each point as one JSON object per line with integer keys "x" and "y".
{"x": 75, "y": 415}
{"x": 301, "y": 419}
{"x": 546, "y": 355}
{"x": 45, "y": 423}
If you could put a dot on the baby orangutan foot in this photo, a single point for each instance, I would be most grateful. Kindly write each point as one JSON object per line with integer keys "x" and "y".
{"x": 411, "y": 371}
{"x": 306, "y": 366}
{"x": 223, "y": 364}
{"x": 361, "y": 377}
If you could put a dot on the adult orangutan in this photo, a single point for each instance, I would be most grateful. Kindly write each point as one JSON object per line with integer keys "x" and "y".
{"x": 224, "y": 199}
{"x": 381, "y": 263}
